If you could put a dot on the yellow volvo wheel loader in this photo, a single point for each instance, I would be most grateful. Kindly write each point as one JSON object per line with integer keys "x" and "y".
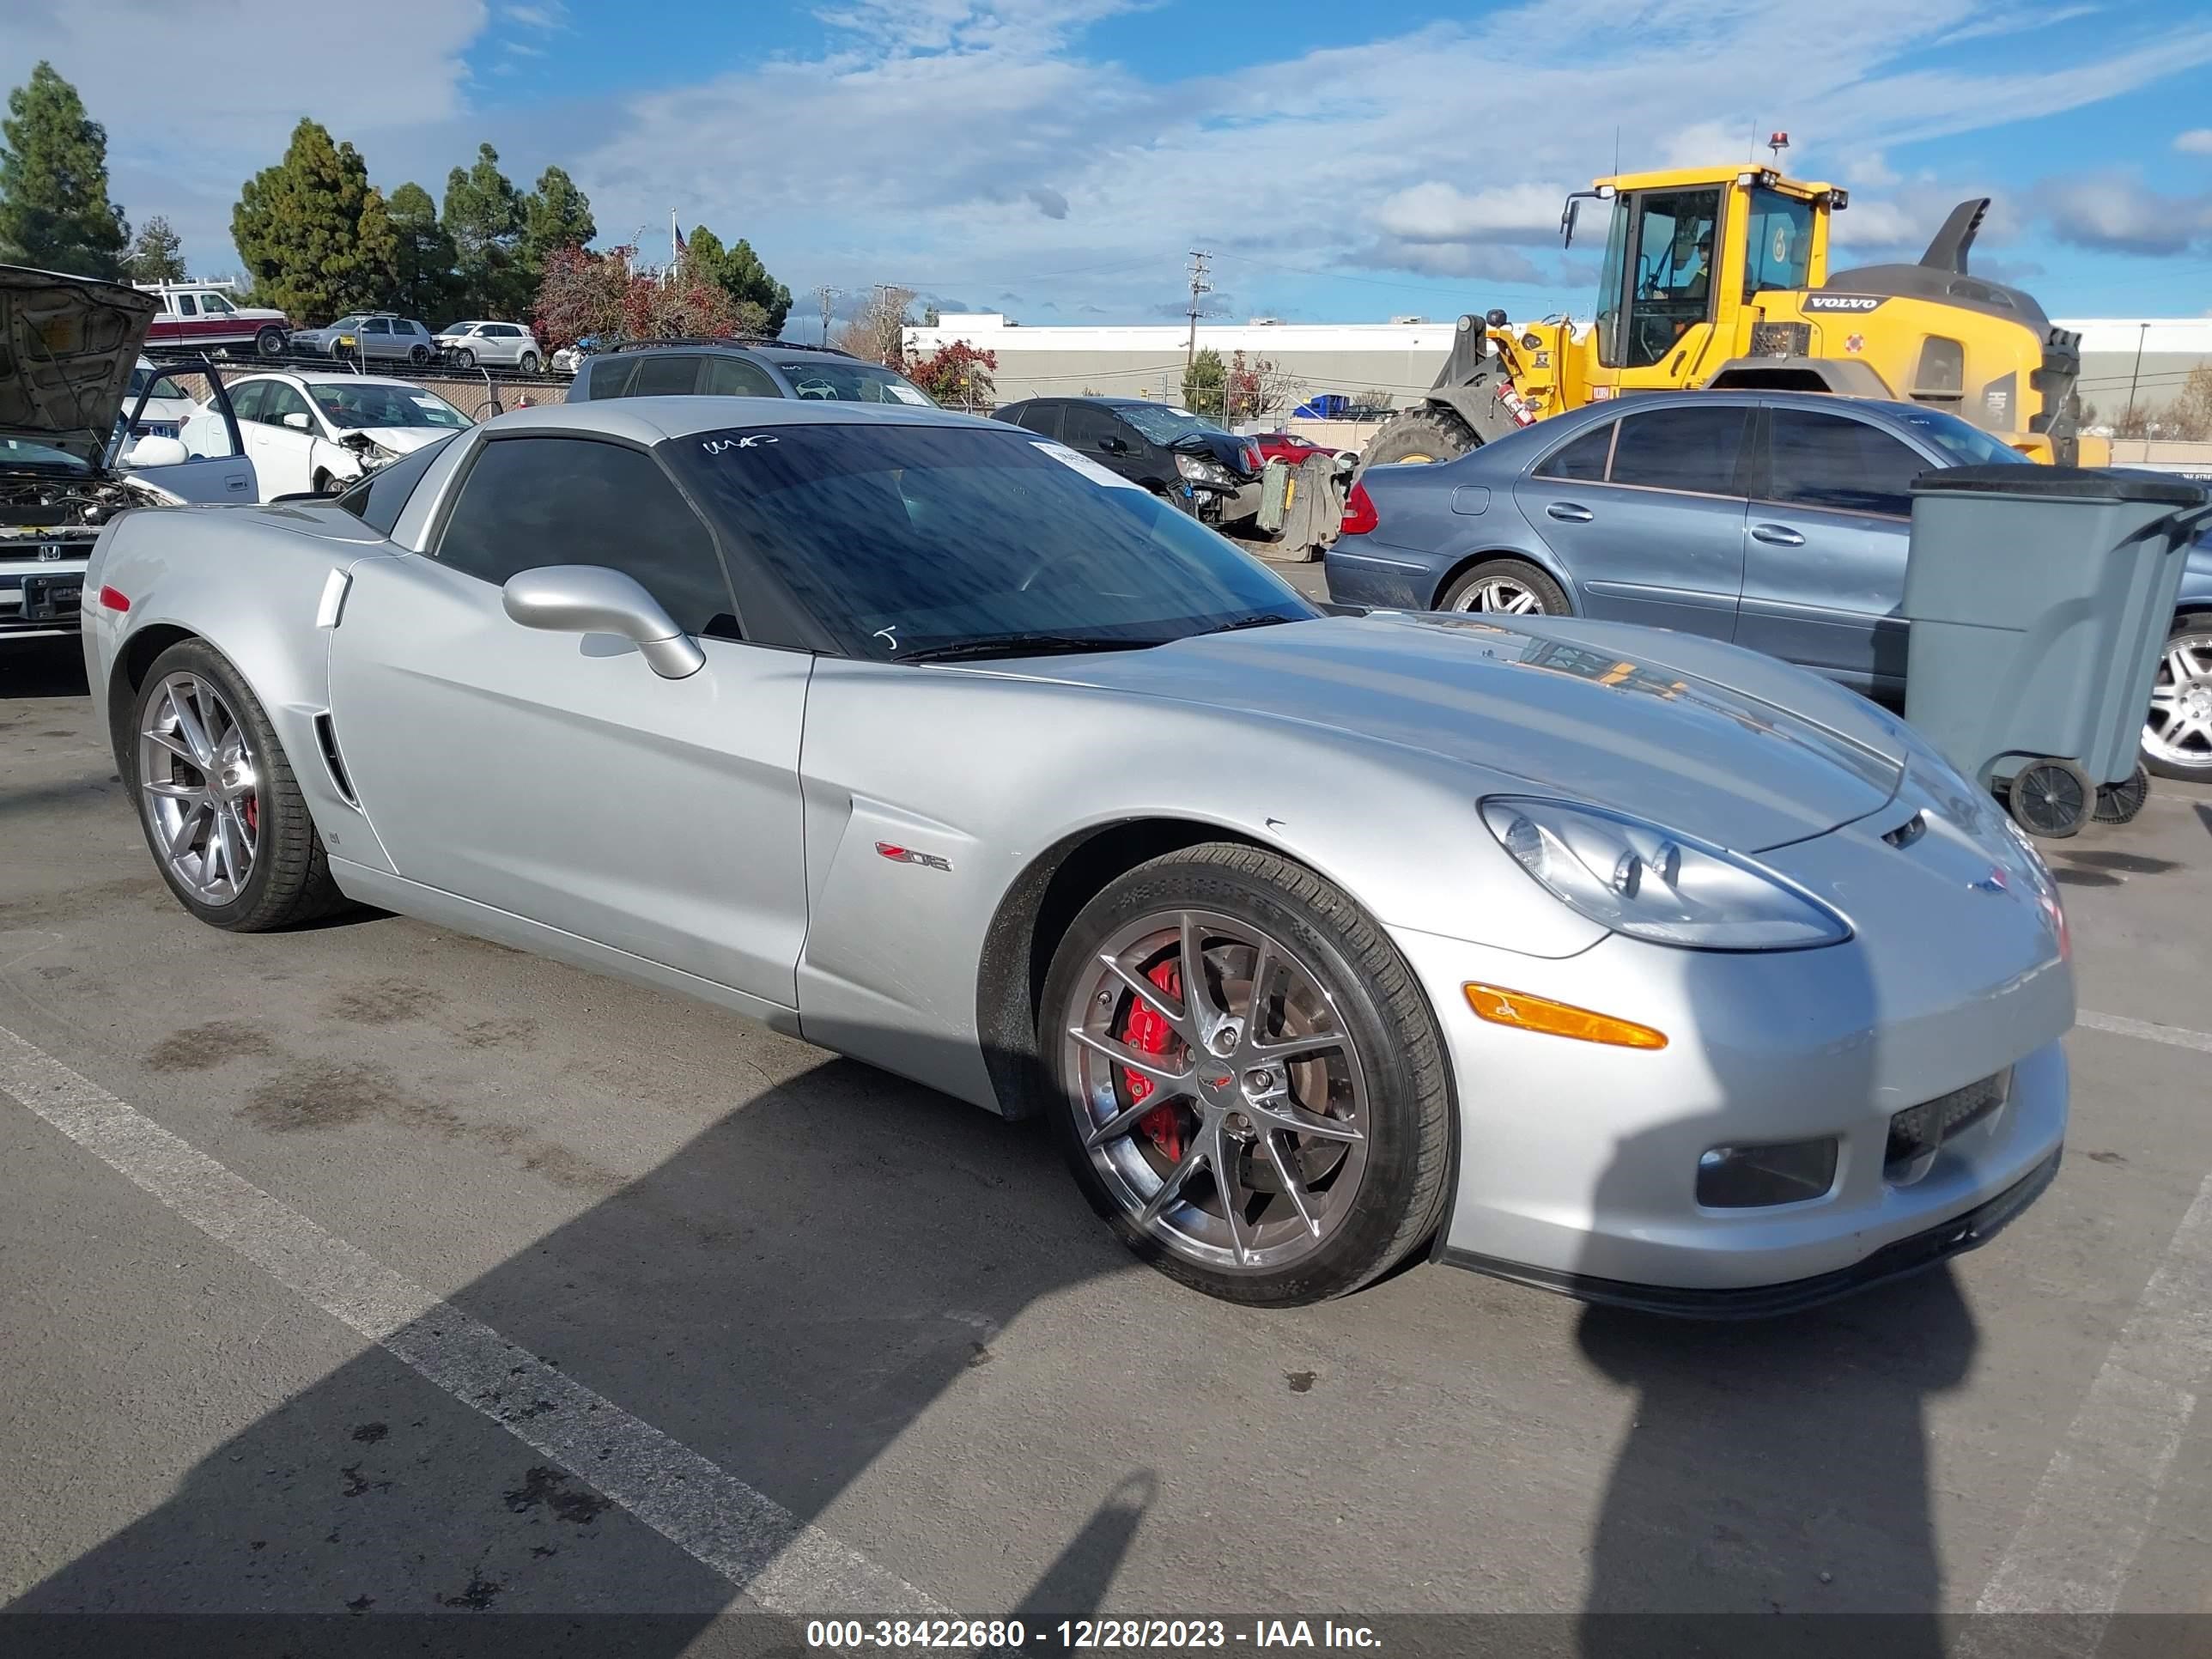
{"x": 1719, "y": 277}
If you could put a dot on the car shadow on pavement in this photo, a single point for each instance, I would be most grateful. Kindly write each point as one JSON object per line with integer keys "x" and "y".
{"x": 41, "y": 668}
{"x": 794, "y": 1349}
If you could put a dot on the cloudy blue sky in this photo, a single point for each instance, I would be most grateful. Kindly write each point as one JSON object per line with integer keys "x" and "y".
{"x": 1055, "y": 159}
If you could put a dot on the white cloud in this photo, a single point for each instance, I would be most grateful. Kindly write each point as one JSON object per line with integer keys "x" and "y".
{"x": 2115, "y": 213}
{"x": 1438, "y": 212}
{"x": 2197, "y": 141}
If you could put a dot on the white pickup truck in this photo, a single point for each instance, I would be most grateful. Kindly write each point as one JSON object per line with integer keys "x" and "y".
{"x": 203, "y": 317}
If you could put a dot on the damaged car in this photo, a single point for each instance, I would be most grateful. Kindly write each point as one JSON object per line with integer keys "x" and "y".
{"x": 71, "y": 458}
{"x": 315, "y": 433}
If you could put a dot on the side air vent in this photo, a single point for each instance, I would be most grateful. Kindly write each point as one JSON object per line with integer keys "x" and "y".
{"x": 326, "y": 737}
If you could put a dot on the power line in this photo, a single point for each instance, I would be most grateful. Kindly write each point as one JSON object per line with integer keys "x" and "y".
{"x": 1198, "y": 285}
{"x": 825, "y": 294}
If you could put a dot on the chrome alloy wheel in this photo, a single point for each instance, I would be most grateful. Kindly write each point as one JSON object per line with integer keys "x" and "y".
{"x": 199, "y": 785}
{"x": 2178, "y": 728}
{"x": 1501, "y": 593}
{"x": 1233, "y": 1127}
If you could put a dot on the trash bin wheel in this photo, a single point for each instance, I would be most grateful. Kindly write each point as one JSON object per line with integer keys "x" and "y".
{"x": 2118, "y": 803}
{"x": 2051, "y": 799}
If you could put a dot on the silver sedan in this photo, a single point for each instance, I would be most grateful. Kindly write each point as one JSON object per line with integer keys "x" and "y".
{"x": 1624, "y": 962}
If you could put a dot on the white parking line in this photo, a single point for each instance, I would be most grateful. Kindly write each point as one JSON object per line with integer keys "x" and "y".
{"x": 784, "y": 1564}
{"x": 2090, "y": 1513}
{"x": 2121, "y": 1025}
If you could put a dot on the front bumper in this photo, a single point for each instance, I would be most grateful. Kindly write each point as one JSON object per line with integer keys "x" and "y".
{"x": 1577, "y": 1162}
{"x": 41, "y": 599}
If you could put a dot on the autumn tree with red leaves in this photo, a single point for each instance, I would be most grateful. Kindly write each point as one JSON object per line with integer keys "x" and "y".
{"x": 584, "y": 293}
{"x": 957, "y": 374}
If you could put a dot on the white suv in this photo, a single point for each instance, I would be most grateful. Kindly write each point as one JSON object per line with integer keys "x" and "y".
{"x": 501, "y": 345}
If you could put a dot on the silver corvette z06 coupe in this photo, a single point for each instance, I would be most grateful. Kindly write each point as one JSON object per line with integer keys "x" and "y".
{"x": 1616, "y": 961}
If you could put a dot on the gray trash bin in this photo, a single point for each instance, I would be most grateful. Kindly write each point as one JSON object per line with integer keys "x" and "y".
{"x": 2038, "y": 597}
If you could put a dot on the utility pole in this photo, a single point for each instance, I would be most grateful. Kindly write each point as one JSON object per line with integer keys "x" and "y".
{"x": 1198, "y": 285}
{"x": 2136, "y": 377}
{"x": 825, "y": 294}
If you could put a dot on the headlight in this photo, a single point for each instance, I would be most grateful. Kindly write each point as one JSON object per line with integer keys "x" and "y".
{"x": 1201, "y": 470}
{"x": 1656, "y": 884}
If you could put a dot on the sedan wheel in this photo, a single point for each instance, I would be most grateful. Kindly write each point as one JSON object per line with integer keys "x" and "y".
{"x": 2176, "y": 738}
{"x": 464, "y": 358}
{"x": 198, "y": 776}
{"x": 1237, "y": 1100}
{"x": 1507, "y": 586}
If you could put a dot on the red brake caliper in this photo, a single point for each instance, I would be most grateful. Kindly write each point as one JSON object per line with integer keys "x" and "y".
{"x": 1150, "y": 1033}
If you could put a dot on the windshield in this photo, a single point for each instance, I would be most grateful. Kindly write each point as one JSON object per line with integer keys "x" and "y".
{"x": 356, "y": 405}
{"x": 1962, "y": 445}
{"x": 902, "y": 539}
{"x": 1162, "y": 424}
{"x": 343, "y": 323}
{"x": 22, "y": 452}
{"x": 837, "y": 380}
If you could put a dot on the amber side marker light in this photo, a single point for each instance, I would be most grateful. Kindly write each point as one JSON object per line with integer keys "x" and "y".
{"x": 1532, "y": 1013}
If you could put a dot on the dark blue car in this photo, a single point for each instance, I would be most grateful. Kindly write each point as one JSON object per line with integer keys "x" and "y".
{"x": 1779, "y": 520}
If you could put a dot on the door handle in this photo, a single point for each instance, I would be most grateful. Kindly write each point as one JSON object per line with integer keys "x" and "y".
{"x": 1569, "y": 513}
{"x": 1776, "y": 535}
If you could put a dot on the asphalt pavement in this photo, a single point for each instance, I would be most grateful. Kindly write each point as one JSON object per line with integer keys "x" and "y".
{"x": 274, "y": 1209}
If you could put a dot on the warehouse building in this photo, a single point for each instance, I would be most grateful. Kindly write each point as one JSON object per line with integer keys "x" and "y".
{"x": 2146, "y": 358}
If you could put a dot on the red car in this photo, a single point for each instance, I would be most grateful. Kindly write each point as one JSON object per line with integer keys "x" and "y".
{"x": 1288, "y": 447}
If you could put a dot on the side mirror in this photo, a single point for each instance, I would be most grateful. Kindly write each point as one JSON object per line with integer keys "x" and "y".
{"x": 590, "y": 599}
{"x": 157, "y": 452}
{"x": 297, "y": 420}
{"x": 1113, "y": 445}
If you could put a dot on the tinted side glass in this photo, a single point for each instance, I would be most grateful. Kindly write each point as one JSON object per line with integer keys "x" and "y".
{"x": 379, "y": 498}
{"x": 281, "y": 400}
{"x": 245, "y": 402}
{"x": 737, "y": 377}
{"x": 1083, "y": 427}
{"x": 661, "y": 377}
{"x": 1043, "y": 418}
{"x": 1832, "y": 461}
{"x": 1692, "y": 447}
{"x": 1583, "y": 459}
{"x": 607, "y": 375}
{"x": 376, "y": 325}
{"x": 533, "y": 502}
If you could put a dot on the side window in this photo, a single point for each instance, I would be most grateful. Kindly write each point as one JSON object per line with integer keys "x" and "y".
{"x": 1043, "y": 418}
{"x": 186, "y": 307}
{"x": 281, "y": 400}
{"x": 1675, "y": 252}
{"x": 1833, "y": 461}
{"x": 213, "y": 305}
{"x": 1940, "y": 375}
{"x": 378, "y": 500}
{"x": 539, "y": 501}
{"x": 376, "y": 325}
{"x": 737, "y": 377}
{"x": 245, "y": 402}
{"x": 1582, "y": 460}
{"x": 607, "y": 376}
{"x": 661, "y": 377}
{"x": 1084, "y": 426}
{"x": 1691, "y": 447}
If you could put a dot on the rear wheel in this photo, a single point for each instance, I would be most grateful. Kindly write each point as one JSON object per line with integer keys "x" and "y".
{"x": 223, "y": 816}
{"x": 1426, "y": 433}
{"x": 1252, "y": 1087}
{"x": 2051, "y": 799}
{"x": 529, "y": 363}
{"x": 418, "y": 355}
{"x": 2121, "y": 802}
{"x": 1510, "y": 585}
{"x": 2176, "y": 738}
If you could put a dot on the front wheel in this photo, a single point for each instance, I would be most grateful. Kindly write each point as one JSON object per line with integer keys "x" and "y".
{"x": 1427, "y": 433}
{"x": 2176, "y": 737}
{"x": 2051, "y": 799}
{"x": 1251, "y": 1085}
{"x": 223, "y": 815}
{"x": 463, "y": 358}
{"x": 1512, "y": 587}
{"x": 270, "y": 342}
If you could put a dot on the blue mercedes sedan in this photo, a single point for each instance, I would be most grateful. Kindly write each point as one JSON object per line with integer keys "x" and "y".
{"x": 1779, "y": 520}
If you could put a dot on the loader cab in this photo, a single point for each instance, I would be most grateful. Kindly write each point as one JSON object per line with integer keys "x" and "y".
{"x": 1686, "y": 252}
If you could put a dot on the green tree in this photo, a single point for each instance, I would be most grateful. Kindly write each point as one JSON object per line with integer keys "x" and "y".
{"x": 555, "y": 215}
{"x": 425, "y": 283}
{"x": 158, "y": 255}
{"x": 54, "y": 210}
{"x": 315, "y": 232}
{"x": 485, "y": 216}
{"x": 762, "y": 303}
{"x": 1204, "y": 383}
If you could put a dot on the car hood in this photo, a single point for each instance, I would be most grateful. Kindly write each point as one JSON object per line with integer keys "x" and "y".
{"x": 67, "y": 346}
{"x": 1736, "y": 749}
{"x": 1222, "y": 446}
{"x": 401, "y": 439}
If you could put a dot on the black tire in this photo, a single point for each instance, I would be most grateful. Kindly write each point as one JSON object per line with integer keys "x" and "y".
{"x": 1430, "y": 433}
{"x": 2184, "y": 767}
{"x": 463, "y": 358}
{"x": 2051, "y": 799}
{"x": 1399, "y": 1201}
{"x": 529, "y": 363}
{"x": 270, "y": 342}
{"x": 1458, "y": 594}
{"x": 324, "y": 484}
{"x": 2119, "y": 803}
{"x": 291, "y": 880}
{"x": 418, "y": 355}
